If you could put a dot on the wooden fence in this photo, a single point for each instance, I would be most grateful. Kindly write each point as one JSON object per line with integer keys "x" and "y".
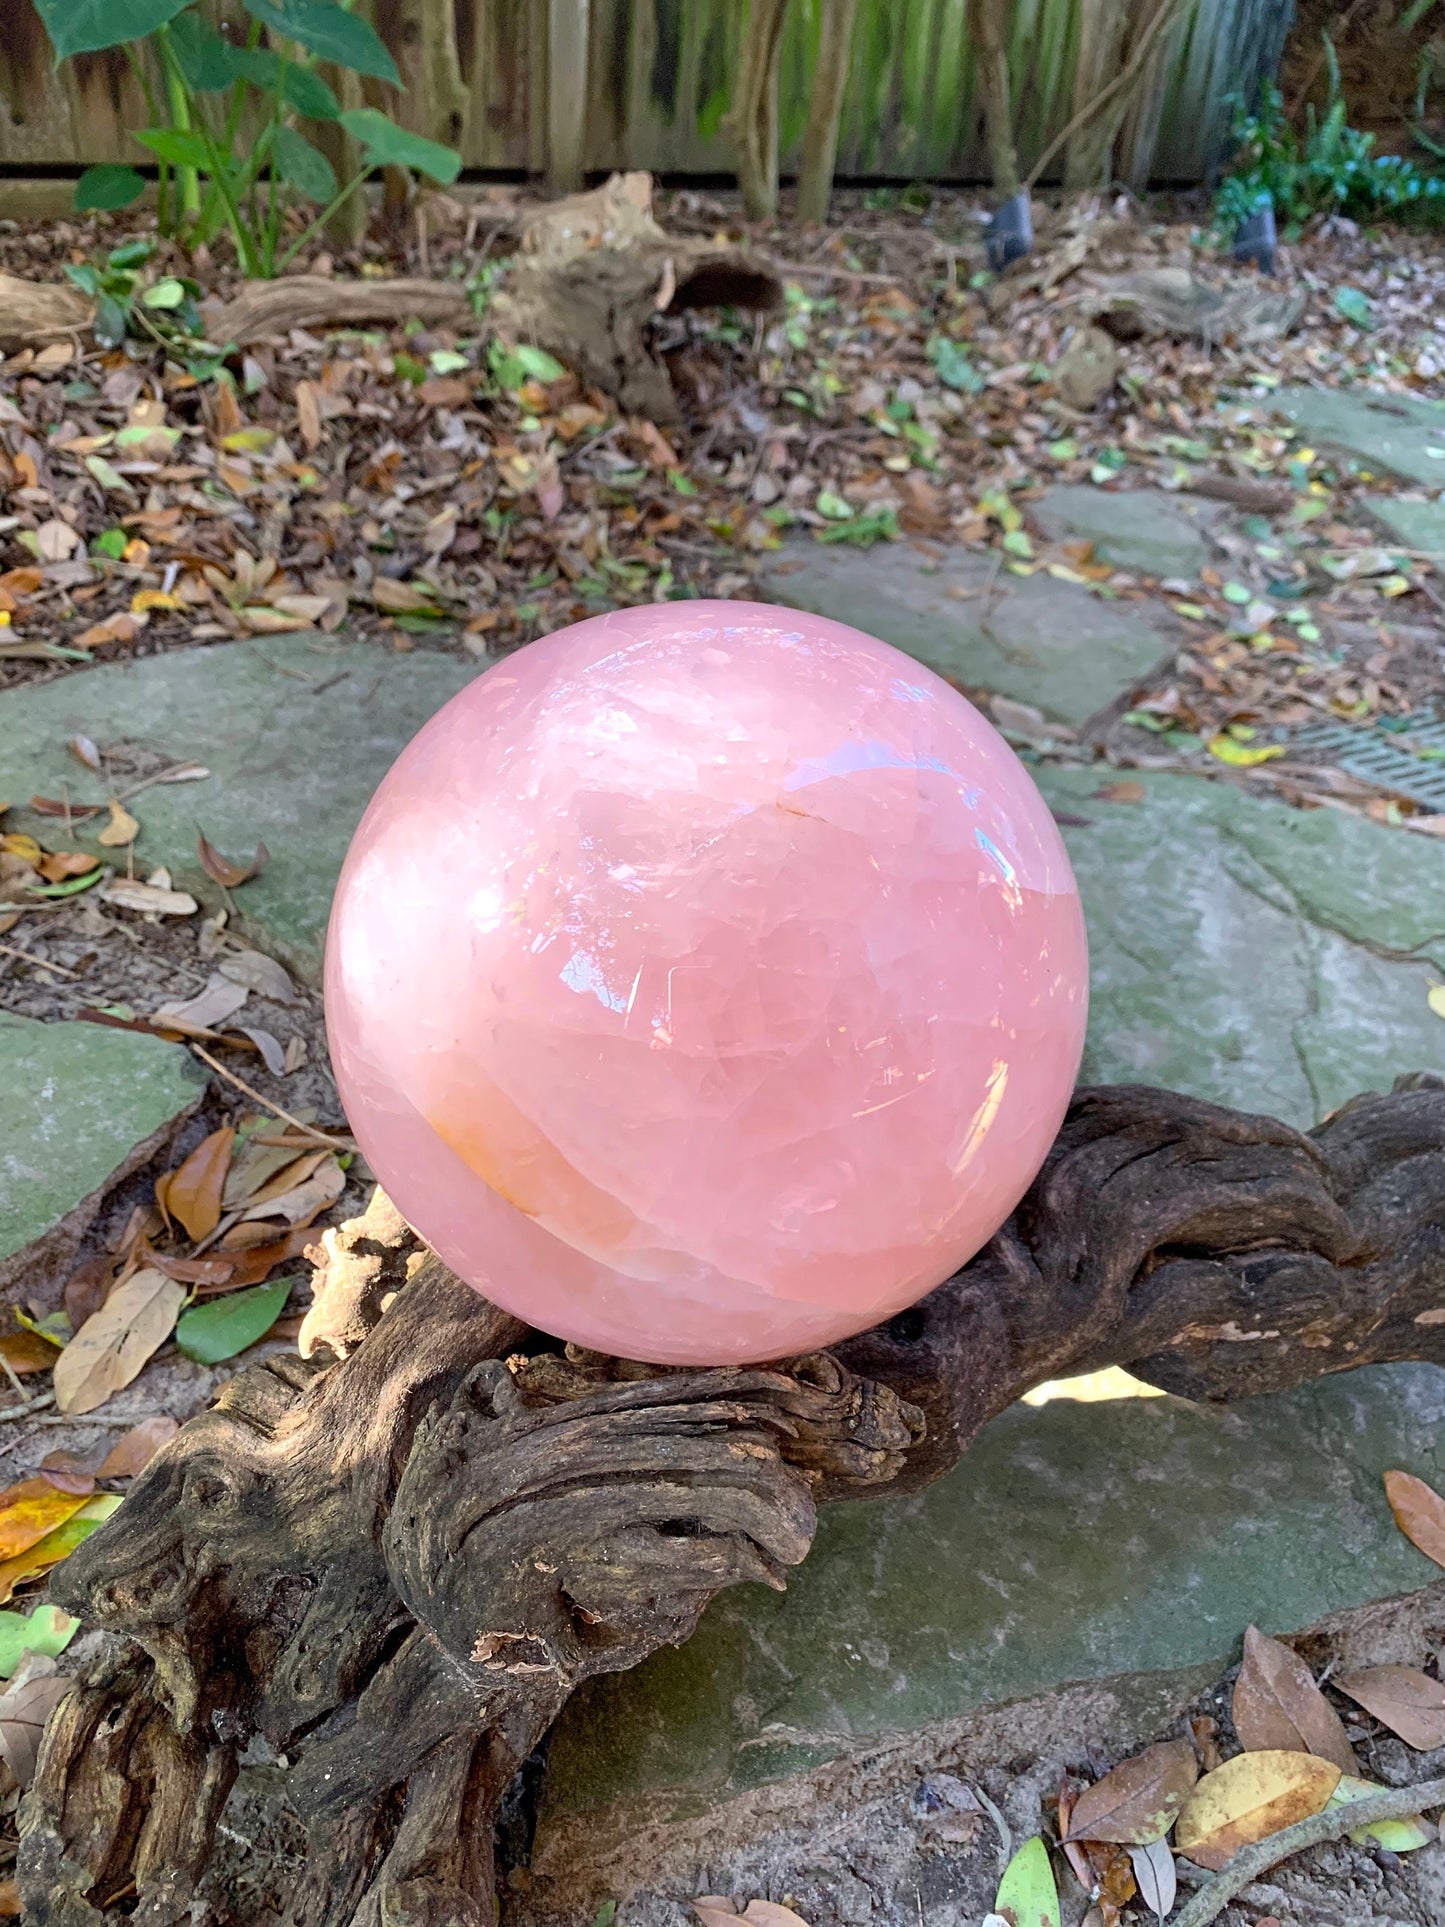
{"x": 644, "y": 83}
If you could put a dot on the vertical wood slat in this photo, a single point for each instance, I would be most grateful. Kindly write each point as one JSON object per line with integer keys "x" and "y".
{"x": 568, "y": 39}
{"x": 559, "y": 86}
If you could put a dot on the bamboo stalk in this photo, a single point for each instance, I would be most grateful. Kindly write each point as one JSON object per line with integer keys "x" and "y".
{"x": 825, "y": 110}
{"x": 752, "y": 120}
{"x": 991, "y": 52}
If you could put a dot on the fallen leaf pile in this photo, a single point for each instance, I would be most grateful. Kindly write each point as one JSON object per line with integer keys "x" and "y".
{"x": 1297, "y": 1759}
{"x": 451, "y": 487}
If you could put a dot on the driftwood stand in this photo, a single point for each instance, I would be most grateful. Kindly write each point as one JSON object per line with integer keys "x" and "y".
{"x": 395, "y": 1559}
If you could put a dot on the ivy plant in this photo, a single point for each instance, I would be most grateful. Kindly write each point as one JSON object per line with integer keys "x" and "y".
{"x": 203, "y": 91}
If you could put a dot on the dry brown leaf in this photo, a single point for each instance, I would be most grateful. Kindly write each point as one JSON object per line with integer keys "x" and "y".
{"x": 323, "y": 1187}
{"x": 24, "y": 1708}
{"x": 1139, "y": 1801}
{"x": 135, "y": 1449}
{"x": 210, "y": 1007}
{"x": 1249, "y": 1798}
{"x": 193, "y": 1193}
{"x": 117, "y": 628}
{"x": 253, "y": 1267}
{"x": 1419, "y": 1513}
{"x": 714, "y": 1912}
{"x": 222, "y": 870}
{"x": 121, "y": 829}
{"x": 1409, "y": 1702}
{"x": 1278, "y": 1707}
{"x": 400, "y": 598}
{"x": 56, "y": 865}
{"x": 308, "y": 412}
{"x": 767, "y": 1913}
{"x": 260, "y": 973}
{"x": 56, "y": 540}
{"x": 111, "y": 1347}
{"x": 10, "y": 1908}
{"x": 151, "y": 899}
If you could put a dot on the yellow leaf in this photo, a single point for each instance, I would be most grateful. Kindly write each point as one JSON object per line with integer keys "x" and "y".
{"x": 30, "y": 1510}
{"x": 121, "y": 829}
{"x": 57, "y": 1545}
{"x": 145, "y": 599}
{"x": 1395, "y": 1836}
{"x": 248, "y": 441}
{"x": 111, "y": 1346}
{"x": 1243, "y": 755}
{"x": 1249, "y": 1798}
{"x": 16, "y": 843}
{"x": 1435, "y": 998}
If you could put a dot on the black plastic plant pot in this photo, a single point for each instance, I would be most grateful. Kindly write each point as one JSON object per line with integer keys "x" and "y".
{"x": 1255, "y": 240}
{"x": 1009, "y": 236}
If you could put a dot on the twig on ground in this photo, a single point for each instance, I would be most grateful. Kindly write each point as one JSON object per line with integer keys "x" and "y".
{"x": 25, "y": 956}
{"x": 1393, "y": 1803}
{"x": 321, "y": 1137}
{"x": 8, "y": 1412}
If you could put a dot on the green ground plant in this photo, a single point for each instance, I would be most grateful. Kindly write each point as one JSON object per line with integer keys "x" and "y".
{"x": 1332, "y": 168}
{"x": 235, "y": 124}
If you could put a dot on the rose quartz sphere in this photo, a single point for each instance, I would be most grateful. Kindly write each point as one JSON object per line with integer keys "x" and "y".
{"x": 706, "y": 982}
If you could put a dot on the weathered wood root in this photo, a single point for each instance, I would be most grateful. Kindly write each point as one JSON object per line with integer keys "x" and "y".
{"x": 394, "y": 1566}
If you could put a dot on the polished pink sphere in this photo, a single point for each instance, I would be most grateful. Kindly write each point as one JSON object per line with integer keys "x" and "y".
{"x": 706, "y": 982}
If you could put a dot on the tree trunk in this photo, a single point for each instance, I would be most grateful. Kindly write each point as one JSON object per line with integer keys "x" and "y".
{"x": 752, "y": 120}
{"x": 825, "y": 110}
{"x": 991, "y": 25}
{"x": 393, "y": 1560}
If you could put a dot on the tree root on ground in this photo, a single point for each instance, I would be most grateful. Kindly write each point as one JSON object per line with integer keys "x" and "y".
{"x": 394, "y": 1560}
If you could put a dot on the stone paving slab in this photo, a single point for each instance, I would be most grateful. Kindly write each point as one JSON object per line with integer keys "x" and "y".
{"x": 1146, "y": 531}
{"x": 1260, "y": 956}
{"x": 1392, "y": 434}
{"x": 1075, "y": 1541}
{"x": 79, "y": 1105}
{"x": 1417, "y": 526}
{"x": 297, "y": 732}
{"x": 1033, "y": 638}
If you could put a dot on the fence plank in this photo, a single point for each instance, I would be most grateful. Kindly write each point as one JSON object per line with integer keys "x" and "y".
{"x": 644, "y": 83}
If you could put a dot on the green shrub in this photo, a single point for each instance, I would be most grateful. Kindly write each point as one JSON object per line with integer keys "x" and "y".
{"x": 1334, "y": 169}
{"x": 207, "y": 83}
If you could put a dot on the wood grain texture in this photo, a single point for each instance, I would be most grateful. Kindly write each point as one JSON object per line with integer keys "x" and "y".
{"x": 395, "y": 1560}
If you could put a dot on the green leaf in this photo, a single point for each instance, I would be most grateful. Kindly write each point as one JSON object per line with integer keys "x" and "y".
{"x": 327, "y": 30}
{"x": 47, "y": 1630}
{"x": 309, "y": 94}
{"x": 1027, "y": 1895}
{"x": 176, "y": 145}
{"x": 108, "y": 186}
{"x": 303, "y": 166}
{"x": 1355, "y": 307}
{"x": 111, "y": 542}
{"x": 304, "y": 89}
{"x": 218, "y": 1328}
{"x": 833, "y": 506}
{"x": 169, "y": 293}
{"x": 85, "y": 26}
{"x": 538, "y": 364}
{"x": 84, "y": 276}
{"x": 208, "y": 62}
{"x": 446, "y": 361}
{"x": 1395, "y": 1836}
{"x": 955, "y": 370}
{"x": 877, "y": 525}
{"x": 384, "y": 144}
{"x": 110, "y": 320}
{"x": 131, "y": 254}
{"x": 72, "y": 886}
